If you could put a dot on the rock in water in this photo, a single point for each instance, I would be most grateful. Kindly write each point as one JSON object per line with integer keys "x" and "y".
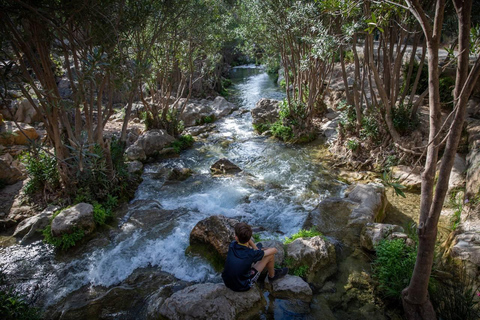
{"x": 224, "y": 166}
{"x": 79, "y": 216}
{"x": 265, "y": 111}
{"x": 216, "y": 231}
{"x": 316, "y": 255}
{"x": 212, "y": 301}
{"x": 290, "y": 287}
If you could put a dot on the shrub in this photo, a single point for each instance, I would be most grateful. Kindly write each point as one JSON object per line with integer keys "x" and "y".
{"x": 42, "y": 171}
{"x": 205, "y": 119}
{"x": 281, "y": 131}
{"x": 261, "y": 128}
{"x": 303, "y": 234}
{"x": 370, "y": 127}
{"x": 13, "y": 306}
{"x": 182, "y": 143}
{"x": 402, "y": 121}
{"x": 65, "y": 241}
{"x": 352, "y": 144}
{"x": 393, "y": 266}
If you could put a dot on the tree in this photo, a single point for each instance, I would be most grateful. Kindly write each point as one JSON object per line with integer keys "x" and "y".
{"x": 415, "y": 297}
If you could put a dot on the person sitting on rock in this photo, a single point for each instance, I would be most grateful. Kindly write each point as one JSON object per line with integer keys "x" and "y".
{"x": 245, "y": 261}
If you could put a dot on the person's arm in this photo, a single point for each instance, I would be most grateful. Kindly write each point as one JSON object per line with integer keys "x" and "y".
{"x": 270, "y": 251}
{"x": 252, "y": 244}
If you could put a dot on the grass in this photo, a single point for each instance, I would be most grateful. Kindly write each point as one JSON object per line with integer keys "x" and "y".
{"x": 303, "y": 234}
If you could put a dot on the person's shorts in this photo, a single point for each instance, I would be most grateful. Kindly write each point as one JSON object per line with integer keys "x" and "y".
{"x": 254, "y": 274}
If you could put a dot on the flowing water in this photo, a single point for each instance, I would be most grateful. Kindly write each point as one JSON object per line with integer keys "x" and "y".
{"x": 280, "y": 185}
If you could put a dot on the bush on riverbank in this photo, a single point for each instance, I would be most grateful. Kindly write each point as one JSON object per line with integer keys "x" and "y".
{"x": 13, "y": 306}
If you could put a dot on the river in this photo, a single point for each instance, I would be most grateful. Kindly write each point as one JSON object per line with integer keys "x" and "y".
{"x": 280, "y": 185}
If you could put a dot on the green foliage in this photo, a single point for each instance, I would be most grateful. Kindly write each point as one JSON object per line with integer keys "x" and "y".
{"x": 402, "y": 121}
{"x": 100, "y": 214}
{"x": 182, "y": 143}
{"x": 256, "y": 238}
{"x": 353, "y": 144}
{"x": 389, "y": 181}
{"x": 393, "y": 266}
{"x": 458, "y": 298}
{"x": 42, "y": 171}
{"x": 300, "y": 271}
{"x": 13, "y": 306}
{"x": 261, "y": 128}
{"x": 456, "y": 202}
{"x": 65, "y": 241}
{"x": 205, "y": 119}
{"x": 391, "y": 161}
{"x": 303, "y": 234}
{"x": 281, "y": 131}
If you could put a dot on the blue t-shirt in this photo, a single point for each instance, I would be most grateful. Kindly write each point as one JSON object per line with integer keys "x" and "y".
{"x": 236, "y": 274}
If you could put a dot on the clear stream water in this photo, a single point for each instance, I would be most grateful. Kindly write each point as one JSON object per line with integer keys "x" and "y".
{"x": 292, "y": 183}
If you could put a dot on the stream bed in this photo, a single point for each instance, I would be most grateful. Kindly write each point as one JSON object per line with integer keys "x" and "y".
{"x": 281, "y": 183}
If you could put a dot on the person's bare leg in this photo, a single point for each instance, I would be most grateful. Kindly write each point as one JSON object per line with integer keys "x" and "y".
{"x": 269, "y": 262}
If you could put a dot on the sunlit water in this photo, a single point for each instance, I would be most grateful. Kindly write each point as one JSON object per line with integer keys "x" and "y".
{"x": 278, "y": 188}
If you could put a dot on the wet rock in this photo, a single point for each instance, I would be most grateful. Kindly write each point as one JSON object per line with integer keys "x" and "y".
{"x": 290, "y": 287}
{"x": 28, "y": 227}
{"x": 25, "y": 111}
{"x": 409, "y": 177}
{"x": 221, "y": 107}
{"x": 133, "y": 298}
{"x": 198, "y": 130}
{"x": 316, "y": 254}
{"x": 265, "y": 111}
{"x": 330, "y": 131}
{"x": 212, "y": 301}
{"x": 280, "y": 255}
{"x": 179, "y": 174}
{"x": 224, "y": 166}
{"x": 216, "y": 231}
{"x": 134, "y": 167}
{"x": 79, "y": 216}
{"x": 373, "y": 233}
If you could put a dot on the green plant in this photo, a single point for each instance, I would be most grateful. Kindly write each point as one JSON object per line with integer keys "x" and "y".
{"x": 391, "y": 161}
{"x": 402, "y": 121}
{"x": 182, "y": 143}
{"x": 423, "y": 82}
{"x": 303, "y": 234}
{"x": 65, "y": 241}
{"x": 281, "y": 131}
{"x": 13, "y": 306}
{"x": 205, "y": 119}
{"x": 42, "y": 171}
{"x": 353, "y": 144}
{"x": 369, "y": 127}
{"x": 393, "y": 266}
{"x": 256, "y": 238}
{"x": 300, "y": 271}
{"x": 261, "y": 127}
{"x": 389, "y": 181}
{"x": 456, "y": 203}
{"x": 101, "y": 214}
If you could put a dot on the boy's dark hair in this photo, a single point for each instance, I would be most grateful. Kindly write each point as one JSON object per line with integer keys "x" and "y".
{"x": 243, "y": 232}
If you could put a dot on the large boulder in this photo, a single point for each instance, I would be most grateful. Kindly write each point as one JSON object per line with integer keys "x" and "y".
{"x": 317, "y": 254}
{"x": 373, "y": 233}
{"x": 28, "y": 227}
{"x": 194, "y": 111}
{"x": 344, "y": 218}
{"x": 221, "y": 107}
{"x": 212, "y": 301}
{"x": 154, "y": 141}
{"x": 290, "y": 287}
{"x": 265, "y": 111}
{"x": 224, "y": 166}
{"x": 280, "y": 255}
{"x": 25, "y": 111}
{"x": 466, "y": 247}
{"x": 457, "y": 176}
{"x": 79, "y": 216}
{"x": 13, "y": 134}
{"x": 216, "y": 231}
{"x": 135, "y": 153}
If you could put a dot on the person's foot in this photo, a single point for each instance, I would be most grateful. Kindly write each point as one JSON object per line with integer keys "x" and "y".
{"x": 279, "y": 273}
